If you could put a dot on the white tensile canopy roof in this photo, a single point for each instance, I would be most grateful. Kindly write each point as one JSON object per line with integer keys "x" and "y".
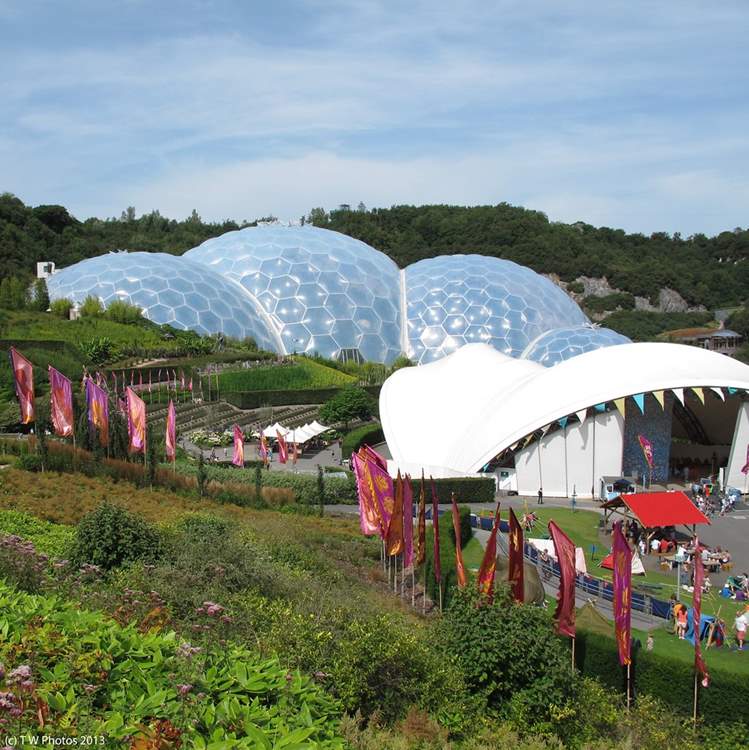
{"x": 272, "y": 429}
{"x": 461, "y": 411}
{"x": 296, "y": 434}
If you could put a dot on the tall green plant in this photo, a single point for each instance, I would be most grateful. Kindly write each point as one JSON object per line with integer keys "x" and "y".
{"x": 320, "y": 490}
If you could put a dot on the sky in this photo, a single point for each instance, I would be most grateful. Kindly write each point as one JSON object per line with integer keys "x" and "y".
{"x": 626, "y": 114}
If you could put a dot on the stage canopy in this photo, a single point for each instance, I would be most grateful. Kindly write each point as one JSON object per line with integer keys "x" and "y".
{"x": 653, "y": 509}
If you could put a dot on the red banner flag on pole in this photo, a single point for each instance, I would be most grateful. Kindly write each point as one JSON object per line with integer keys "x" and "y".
{"x": 421, "y": 542}
{"x": 699, "y": 581}
{"x": 136, "y": 421}
{"x": 283, "y": 451}
{"x": 488, "y": 567}
{"x": 516, "y": 575}
{"x": 408, "y": 523}
{"x": 60, "y": 403}
{"x": 564, "y": 614}
{"x": 238, "y": 457}
{"x": 369, "y": 521}
{"x": 436, "y": 529}
{"x": 394, "y": 541}
{"x": 622, "y": 557}
{"x": 98, "y": 410}
{"x": 459, "y": 566}
{"x": 171, "y": 432}
{"x": 23, "y": 376}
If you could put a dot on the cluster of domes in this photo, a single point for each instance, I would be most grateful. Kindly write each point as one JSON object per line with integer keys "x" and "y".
{"x": 305, "y": 289}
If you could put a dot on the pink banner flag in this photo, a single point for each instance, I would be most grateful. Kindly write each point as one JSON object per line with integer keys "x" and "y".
{"x": 699, "y": 581}
{"x": 98, "y": 410}
{"x": 622, "y": 555}
{"x": 60, "y": 403}
{"x": 369, "y": 521}
{"x": 136, "y": 422}
{"x": 408, "y": 522}
{"x": 384, "y": 493}
{"x": 23, "y": 376}
{"x": 238, "y": 457}
{"x": 263, "y": 449}
{"x": 647, "y": 449}
{"x": 564, "y": 615}
{"x": 436, "y": 530}
{"x": 283, "y": 451}
{"x": 171, "y": 432}
{"x": 189, "y": 385}
{"x": 745, "y": 468}
{"x": 374, "y": 457}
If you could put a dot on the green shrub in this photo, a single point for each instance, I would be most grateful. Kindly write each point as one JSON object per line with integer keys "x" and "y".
{"x": 466, "y": 489}
{"x": 91, "y": 307}
{"x": 301, "y": 374}
{"x": 120, "y": 311}
{"x": 111, "y": 536}
{"x": 53, "y": 539}
{"x": 61, "y": 308}
{"x": 576, "y": 287}
{"x": 369, "y": 434}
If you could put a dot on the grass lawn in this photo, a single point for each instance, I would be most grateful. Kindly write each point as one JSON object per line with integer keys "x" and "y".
{"x": 304, "y": 374}
{"x": 473, "y": 554}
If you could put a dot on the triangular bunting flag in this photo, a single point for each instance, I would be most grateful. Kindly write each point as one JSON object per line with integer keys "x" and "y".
{"x": 620, "y": 405}
{"x": 660, "y": 398}
{"x": 639, "y": 399}
{"x": 582, "y": 414}
{"x": 514, "y": 445}
{"x": 563, "y": 422}
{"x": 679, "y": 393}
{"x": 544, "y": 430}
{"x": 600, "y": 407}
{"x": 731, "y": 391}
{"x": 719, "y": 393}
{"x": 700, "y": 394}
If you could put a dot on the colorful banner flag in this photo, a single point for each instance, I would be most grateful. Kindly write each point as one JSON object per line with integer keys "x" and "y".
{"x": 745, "y": 467}
{"x": 98, "y": 410}
{"x": 639, "y": 399}
{"x": 460, "y": 568}
{"x": 60, "y": 403}
{"x": 384, "y": 494}
{"x": 374, "y": 457}
{"x": 132, "y": 377}
{"x": 408, "y": 523}
{"x": 564, "y": 615}
{"x": 488, "y": 567}
{"x": 238, "y": 457}
{"x": 647, "y": 449}
{"x": 140, "y": 380}
{"x": 436, "y": 529}
{"x": 394, "y": 541}
{"x": 263, "y": 448}
{"x": 283, "y": 451}
{"x": 294, "y": 453}
{"x": 699, "y": 580}
{"x": 620, "y": 404}
{"x": 171, "y": 432}
{"x": 369, "y": 521}
{"x": 516, "y": 574}
{"x": 136, "y": 422}
{"x": 622, "y": 558}
{"x": 23, "y": 376}
{"x": 421, "y": 541}
{"x": 189, "y": 384}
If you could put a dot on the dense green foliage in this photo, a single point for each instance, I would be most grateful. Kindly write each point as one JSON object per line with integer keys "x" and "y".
{"x": 618, "y": 300}
{"x": 52, "y": 539}
{"x": 371, "y": 434}
{"x": 640, "y": 325}
{"x": 348, "y": 404}
{"x": 711, "y": 271}
{"x": 301, "y": 374}
{"x": 466, "y": 489}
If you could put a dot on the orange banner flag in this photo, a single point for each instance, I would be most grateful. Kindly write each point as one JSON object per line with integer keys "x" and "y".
{"x": 394, "y": 541}
{"x": 421, "y": 543}
{"x": 460, "y": 568}
{"x": 488, "y": 567}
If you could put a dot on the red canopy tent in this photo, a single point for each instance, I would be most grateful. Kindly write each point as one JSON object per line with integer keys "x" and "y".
{"x": 653, "y": 509}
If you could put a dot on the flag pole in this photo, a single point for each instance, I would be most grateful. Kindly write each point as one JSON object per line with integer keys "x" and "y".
{"x": 629, "y": 685}
{"x": 413, "y": 586}
{"x": 694, "y": 711}
{"x": 573, "y": 653}
{"x": 424, "y": 595}
{"x": 440, "y": 588}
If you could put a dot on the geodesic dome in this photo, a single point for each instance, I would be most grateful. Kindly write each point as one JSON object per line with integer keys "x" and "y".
{"x": 453, "y": 300}
{"x": 325, "y": 292}
{"x": 555, "y": 346}
{"x": 169, "y": 290}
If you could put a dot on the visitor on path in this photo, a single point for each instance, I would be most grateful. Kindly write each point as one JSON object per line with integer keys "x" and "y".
{"x": 740, "y": 624}
{"x": 540, "y": 496}
{"x": 681, "y": 622}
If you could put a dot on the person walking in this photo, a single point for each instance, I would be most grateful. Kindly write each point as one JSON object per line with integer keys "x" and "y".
{"x": 540, "y": 496}
{"x": 740, "y": 624}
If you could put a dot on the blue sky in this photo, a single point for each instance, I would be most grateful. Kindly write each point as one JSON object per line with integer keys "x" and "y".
{"x": 626, "y": 114}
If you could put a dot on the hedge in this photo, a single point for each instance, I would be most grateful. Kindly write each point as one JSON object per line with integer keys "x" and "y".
{"x": 258, "y": 399}
{"x": 466, "y": 489}
{"x": 664, "y": 677}
{"x": 371, "y": 434}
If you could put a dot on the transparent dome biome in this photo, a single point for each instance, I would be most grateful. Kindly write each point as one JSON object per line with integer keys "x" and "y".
{"x": 168, "y": 289}
{"x": 454, "y": 300}
{"x": 324, "y": 291}
{"x": 555, "y": 346}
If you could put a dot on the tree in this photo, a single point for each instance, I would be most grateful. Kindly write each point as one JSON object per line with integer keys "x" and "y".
{"x": 349, "y": 403}
{"x": 40, "y": 299}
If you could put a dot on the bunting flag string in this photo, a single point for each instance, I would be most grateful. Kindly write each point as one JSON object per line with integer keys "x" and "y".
{"x": 600, "y": 408}
{"x": 581, "y": 415}
{"x": 563, "y": 422}
{"x": 700, "y": 394}
{"x": 639, "y": 399}
{"x": 718, "y": 392}
{"x": 660, "y": 398}
{"x": 620, "y": 404}
{"x": 679, "y": 393}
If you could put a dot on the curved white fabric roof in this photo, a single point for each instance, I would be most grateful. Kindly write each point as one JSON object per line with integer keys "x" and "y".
{"x": 460, "y": 411}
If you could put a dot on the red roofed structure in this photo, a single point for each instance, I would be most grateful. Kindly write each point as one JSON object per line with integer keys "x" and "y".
{"x": 653, "y": 509}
